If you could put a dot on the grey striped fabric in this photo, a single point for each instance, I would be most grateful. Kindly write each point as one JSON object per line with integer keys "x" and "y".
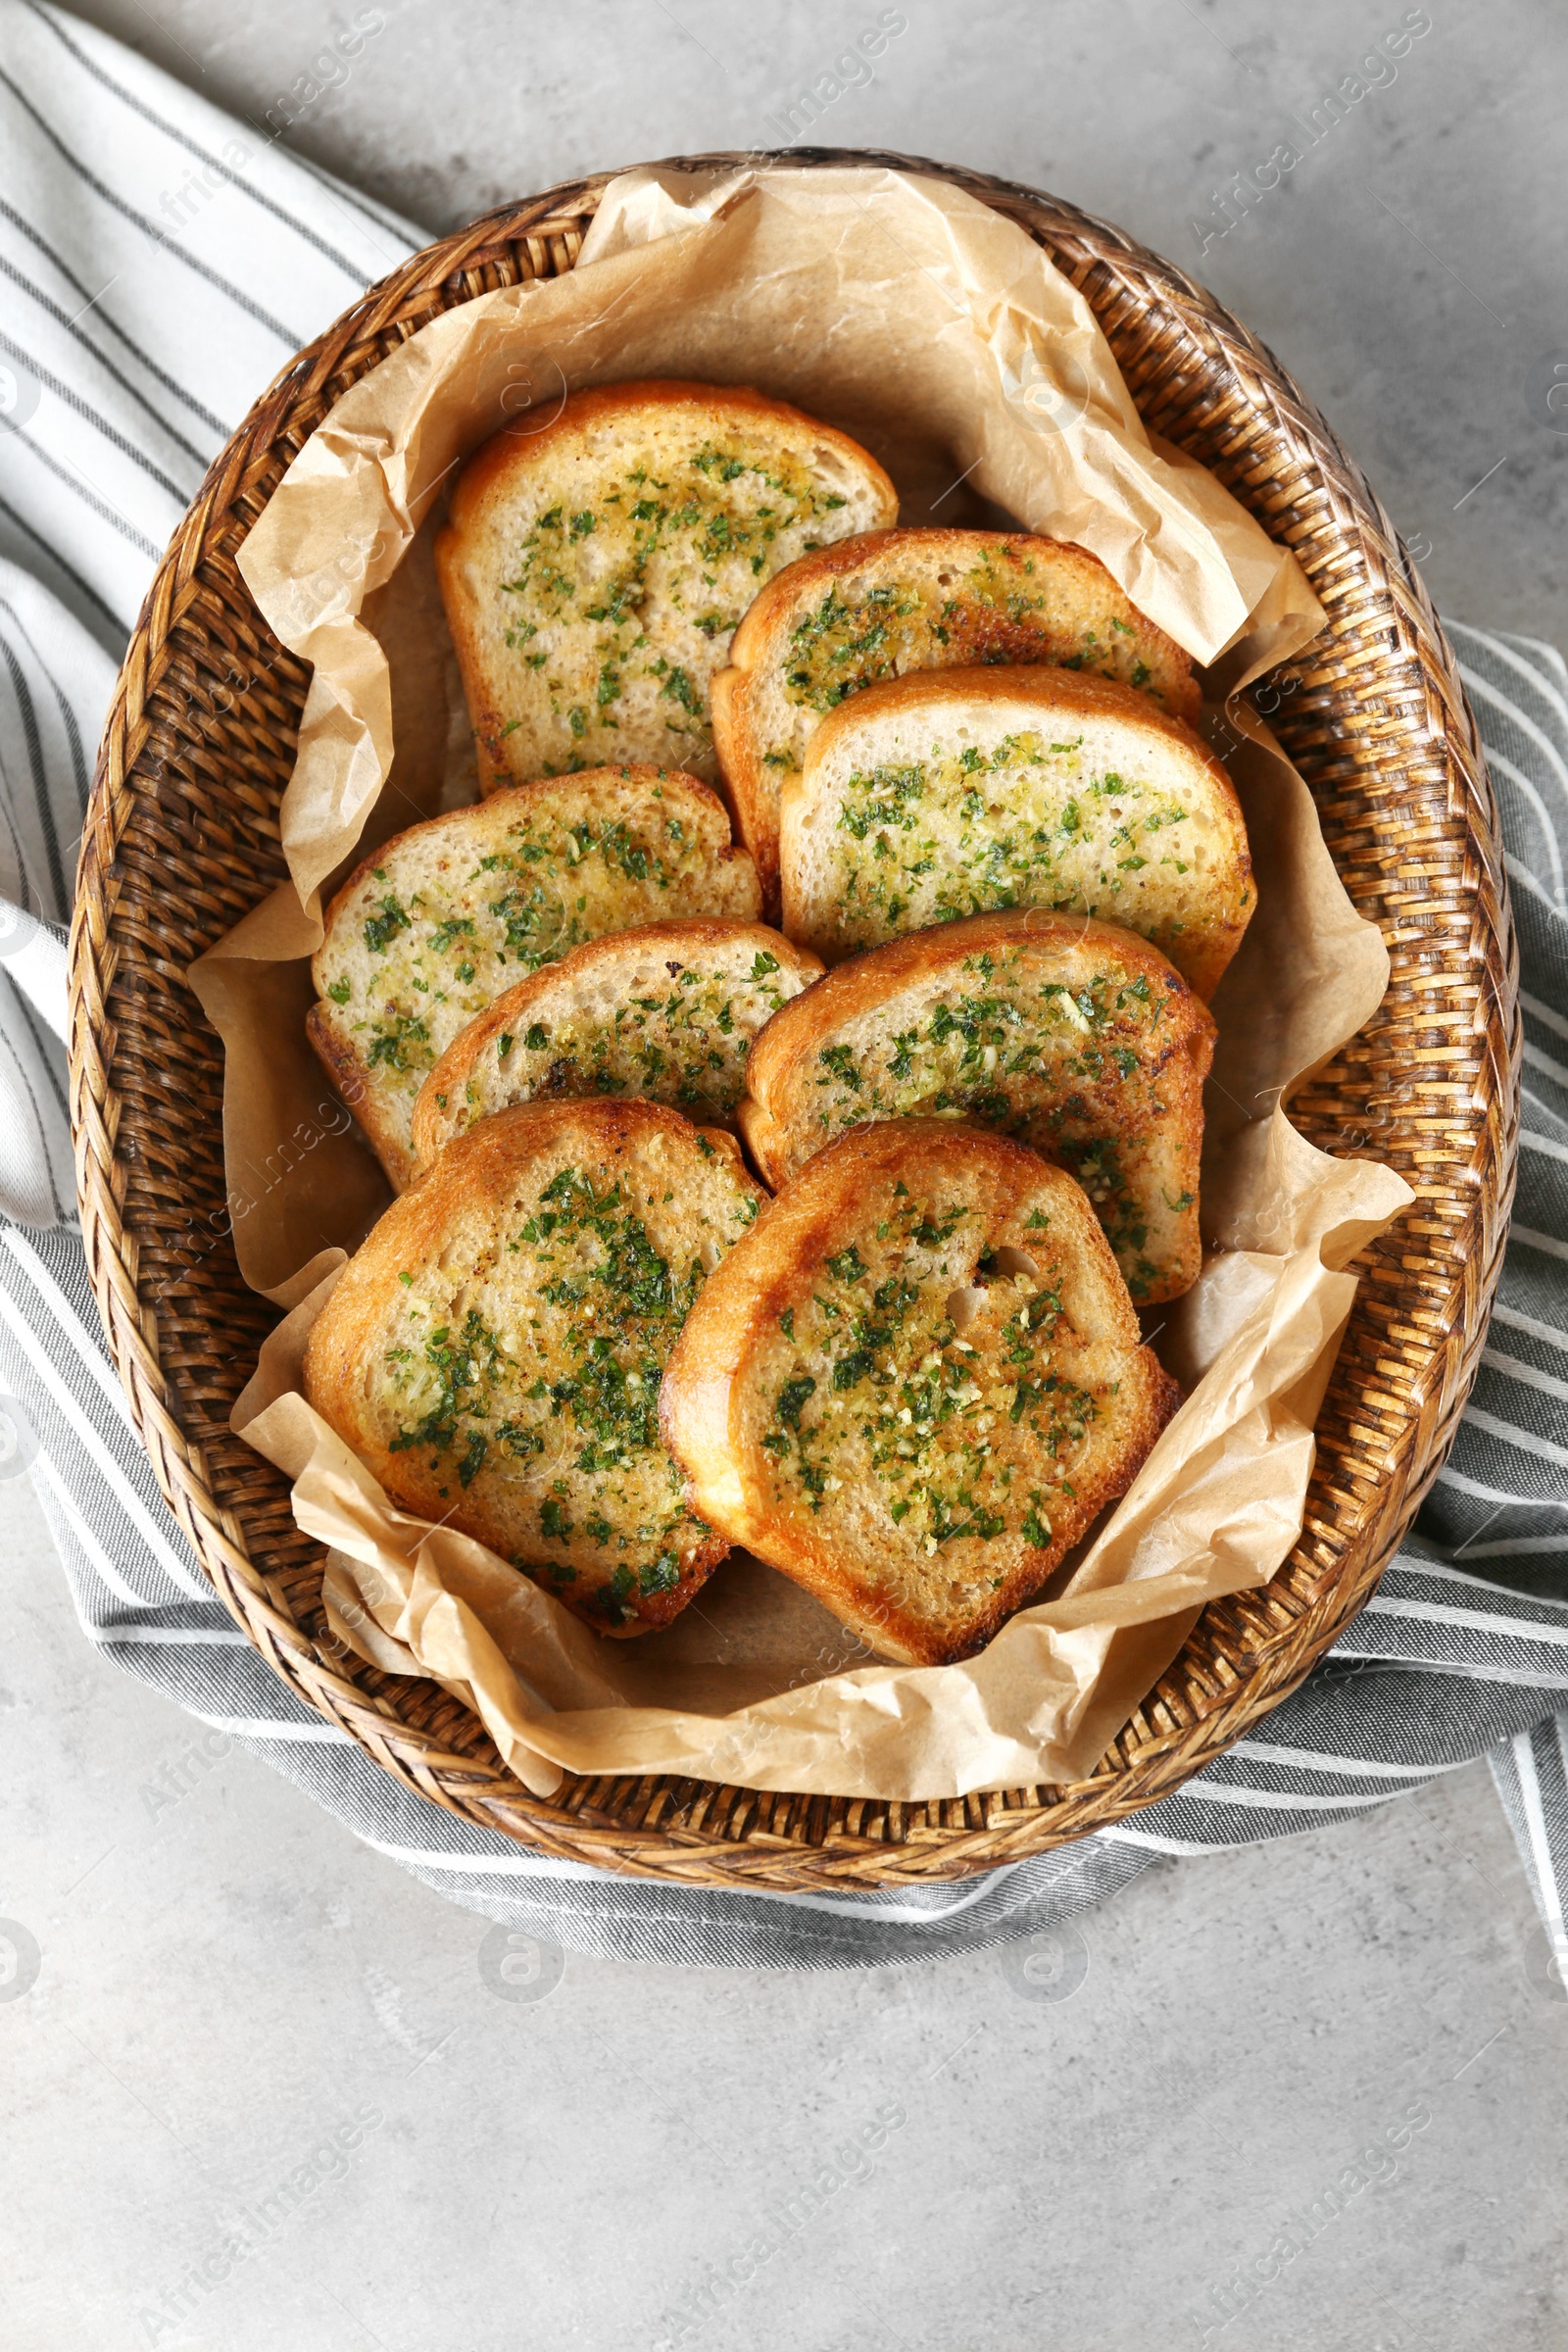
{"x": 159, "y": 261}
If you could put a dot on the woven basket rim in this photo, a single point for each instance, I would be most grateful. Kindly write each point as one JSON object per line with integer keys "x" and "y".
{"x": 664, "y": 1826}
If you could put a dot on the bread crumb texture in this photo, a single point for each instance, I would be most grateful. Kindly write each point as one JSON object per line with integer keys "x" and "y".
{"x": 451, "y": 914}
{"x": 946, "y": 600}
{"x": 956, "y": 817}
{"x": 936, "y": 1392}
{"x": 964, "y": 1441}
{"x": 685, "y": 1043}
{"x": 594, "y": 573}
{"x": 496, "y": 1352}
{"x": 666, "y": 1014}
{"x": 1091, "y": 1055}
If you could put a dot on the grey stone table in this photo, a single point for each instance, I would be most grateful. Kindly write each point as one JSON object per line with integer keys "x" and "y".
{"x": 1333, "y": 2059}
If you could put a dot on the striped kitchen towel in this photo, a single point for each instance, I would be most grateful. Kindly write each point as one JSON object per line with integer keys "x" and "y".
{"x": 159, "y": 261}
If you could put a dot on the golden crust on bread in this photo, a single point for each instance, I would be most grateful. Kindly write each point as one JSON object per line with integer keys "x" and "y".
{"x": 914, "y": 1384}
{"x": 1069, "y": 1035}
{"x": 966, "y": 790}
{"x": 493, "y": 1352}
{"x": 594, "y": 568}
{"x": 895, "y": 602}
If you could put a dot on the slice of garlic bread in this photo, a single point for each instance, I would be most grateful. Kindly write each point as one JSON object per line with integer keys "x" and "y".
{"x": 1076, "y": 1038}
{"x": 493, "y": 1352}
{"x": 914, "y": 1384}
{"x": 898, "y": 600}
{"x": 430, "y": 930}
{"x": 593, "y": 572}
{"x": 667, "y": 1013}
{"x": 943, "y": 796}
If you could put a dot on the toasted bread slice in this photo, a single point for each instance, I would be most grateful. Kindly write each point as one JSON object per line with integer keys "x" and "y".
{"x": 1076, "y": 1038}
{"x": 914, "y": 1383}
{"x": 429, "y": 931}
{"x": 667, "y": 1013}
{"x": 493, "y": 1351}
{"x": 947, "y": 796}
{"x": 896, "y": 601}
{"x": 593, "y": 571}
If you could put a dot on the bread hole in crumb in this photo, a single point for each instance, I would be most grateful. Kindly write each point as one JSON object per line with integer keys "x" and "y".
{"x": 1010, "y": 1263}
{"x": 964, "y": 1304}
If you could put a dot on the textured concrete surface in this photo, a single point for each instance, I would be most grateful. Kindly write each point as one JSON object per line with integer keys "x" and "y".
{"x": 1409, "y": 267}
{"x": 226, "y": 1980}
{"x": 1335, "y": 2049}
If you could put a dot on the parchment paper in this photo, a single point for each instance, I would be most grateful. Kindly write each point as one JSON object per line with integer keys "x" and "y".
{"x": 939, "y": 334}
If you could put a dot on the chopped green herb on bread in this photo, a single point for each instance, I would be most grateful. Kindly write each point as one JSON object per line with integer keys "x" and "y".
{"x": 594, "y": 572}
{"x": 667, "y": 1013}
{"x": 900, "y": 601}
{"x": 443, "y": 917}
{"x": 914, "y": 1384}
{"x": 493, "y": 1352}
{"x": 1069, "y": 1035}
{"x": 935, "y": 797}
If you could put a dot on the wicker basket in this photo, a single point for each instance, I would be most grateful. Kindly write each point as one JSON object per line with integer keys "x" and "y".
{"x": 182, "y": 839}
